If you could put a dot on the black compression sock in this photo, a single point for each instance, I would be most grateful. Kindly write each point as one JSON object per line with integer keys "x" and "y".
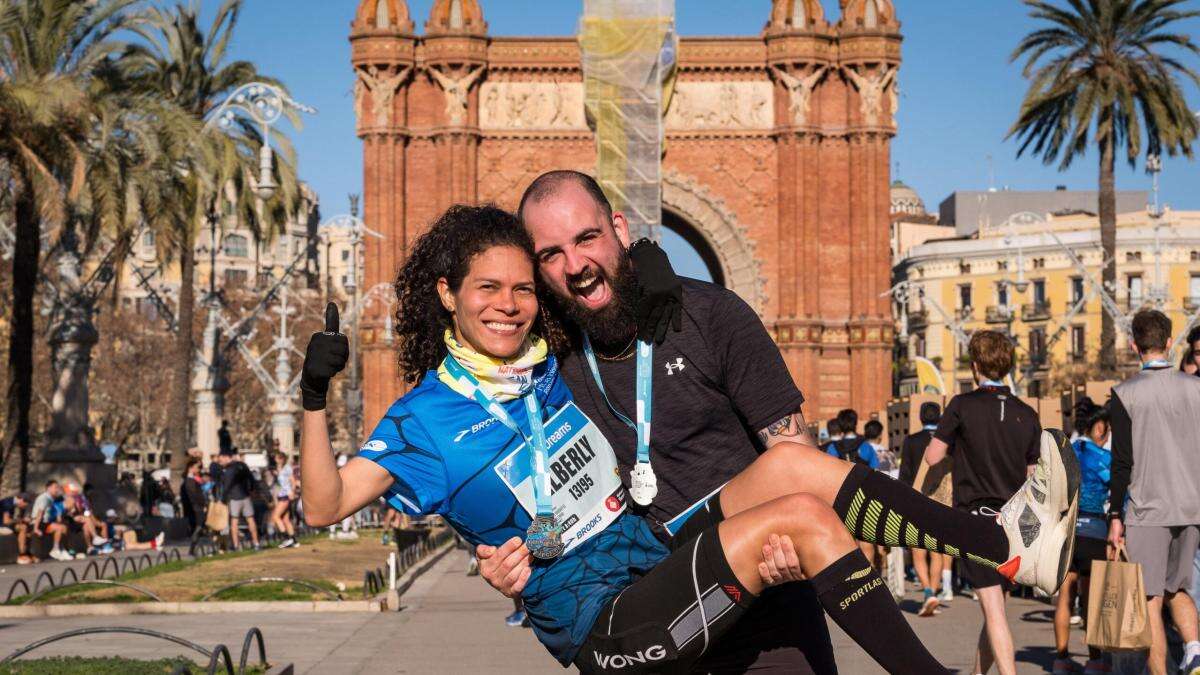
{"x": 857, "y": 600}
{"x": 882, "y": 510}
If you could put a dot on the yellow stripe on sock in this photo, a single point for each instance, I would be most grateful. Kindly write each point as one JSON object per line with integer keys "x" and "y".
{"x": 874, "y": 508}
{"x": 852, "y": 514}
{"x": 911, "y": 536}
{"x": 891, "y": 529}
{"x": 982, "y": 561}
{"x": 930, "y": 543}
{"x": 950, "y": 550}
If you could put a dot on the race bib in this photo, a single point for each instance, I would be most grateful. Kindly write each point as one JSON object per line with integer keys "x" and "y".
{"x": 585, "y": 486}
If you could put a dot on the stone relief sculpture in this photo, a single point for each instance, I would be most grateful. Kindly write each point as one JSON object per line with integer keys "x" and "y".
{"x": 721, "y": 105}
{"x": 532, "y": 105}
{"x": 383, "y": 91}
{"x": 870, "y": 90}
{"x": 455, "y": 90}
{"x": 800, "y": 91}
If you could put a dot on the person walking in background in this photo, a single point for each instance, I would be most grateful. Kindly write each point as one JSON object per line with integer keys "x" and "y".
{"x": 282, "y": 490}
{"x": 1155, "y": 453}
{"x": 851, "y": 447}
{"x": 873, "y": 433}
{"x": 995, "y": 438}
{"x": 1091, "y": 421}
{"x": 195, "y": 499}
{"x": 932, "y": 568}
{"x": 237, "y": 482}
{"x": 834, "y": 434}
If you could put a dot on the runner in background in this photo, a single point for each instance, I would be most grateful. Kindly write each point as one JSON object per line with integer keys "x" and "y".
{"x": 283, "y": 491}
{"x": 933, "y": 569}
{"x": 1091, "y": 530}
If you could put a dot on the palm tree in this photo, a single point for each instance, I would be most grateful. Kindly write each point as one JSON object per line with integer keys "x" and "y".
{"x": 1100, "y": 75}
{"x": 49, "y": 52}
{"x": 187, "y": 66}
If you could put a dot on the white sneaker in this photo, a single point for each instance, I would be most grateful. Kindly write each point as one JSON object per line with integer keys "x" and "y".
{"x": 946, "y": 596}
{"x": 59, "y": 554}
{"x": 1040, "y": 519}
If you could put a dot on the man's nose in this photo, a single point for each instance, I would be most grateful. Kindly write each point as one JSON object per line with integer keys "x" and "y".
{"x": 575, "y": 263}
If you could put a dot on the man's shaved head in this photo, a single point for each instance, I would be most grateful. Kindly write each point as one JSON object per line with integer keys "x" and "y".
{"x": 548, "y": 184}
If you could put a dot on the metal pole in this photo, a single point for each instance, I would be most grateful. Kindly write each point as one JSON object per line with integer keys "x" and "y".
{"x": 354, "y": 395}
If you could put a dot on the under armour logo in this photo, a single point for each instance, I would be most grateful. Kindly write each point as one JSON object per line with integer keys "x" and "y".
{"x": 672, "y": 367}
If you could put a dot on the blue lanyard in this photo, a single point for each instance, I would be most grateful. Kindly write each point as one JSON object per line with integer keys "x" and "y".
{"x": 645, "y": 354}
{"x": 1155, "y": 364}
{"x": 538, "y": 448}
{"x": 643, "y": 485}
{"x": 992, "y": 383}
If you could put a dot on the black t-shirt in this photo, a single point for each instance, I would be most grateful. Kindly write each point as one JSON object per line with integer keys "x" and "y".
{"x": 993, "y": 436}
{"x": 716, "y": 383}
{"x": 236, "y": 481}
{"x": 8, "y": 507}
{"x": 912, "y": 451}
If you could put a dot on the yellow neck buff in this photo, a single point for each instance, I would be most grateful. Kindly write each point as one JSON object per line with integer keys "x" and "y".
{"x": 501, "y": 380}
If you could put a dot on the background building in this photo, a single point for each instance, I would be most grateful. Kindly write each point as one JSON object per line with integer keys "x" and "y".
{"x": 1019, "y": 277}
{"x": 776, "y": 165}
{"x": 970, "y": 210}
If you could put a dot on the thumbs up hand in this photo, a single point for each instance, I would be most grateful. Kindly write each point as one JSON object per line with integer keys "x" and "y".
{"x": 325, "y": 357}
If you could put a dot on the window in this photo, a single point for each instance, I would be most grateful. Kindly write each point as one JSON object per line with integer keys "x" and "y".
{"x": 919, "y": 345}
{"x": 147, "y": 308}
{"x": 345, "y": 254}
{"x": 148, "y": 239}
{"x": 1195, "y": 256}
{"x": 1078, "y": 344}
{"x": 1194, "y": 287}
{"x": 1076, "y": 289}
{"x": 236, "y": 277}
{"x": 1037, "y": 345}
{"x": 1133, "y": 256}
{"x": 1039, "y": 292}
{"x": 236, "y": 246}
{"x": 1039, "y": 263}
{"x": 964, "y": 296}
{"x": 1133, "y": 286}
{"x": 1002, "y": 294}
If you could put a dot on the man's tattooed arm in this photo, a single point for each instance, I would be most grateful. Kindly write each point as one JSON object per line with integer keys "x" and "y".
{"x": 790, "y": 428}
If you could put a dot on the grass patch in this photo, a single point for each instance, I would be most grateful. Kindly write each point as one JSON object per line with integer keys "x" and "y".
{"x": 277, "y": 590}
{"x": 112, "y": 665}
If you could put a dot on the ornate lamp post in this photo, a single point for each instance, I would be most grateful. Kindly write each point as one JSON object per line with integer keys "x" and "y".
{"x": 263, "y": 104}
{"x": 357, "y": 229}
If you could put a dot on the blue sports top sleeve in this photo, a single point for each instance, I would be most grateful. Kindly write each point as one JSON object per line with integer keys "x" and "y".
{"x": 400, "y": 444}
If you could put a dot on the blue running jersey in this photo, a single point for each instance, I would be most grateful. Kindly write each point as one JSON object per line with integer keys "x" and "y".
{"x": 1095, "y": 465}
{"x": 442, "y": 450}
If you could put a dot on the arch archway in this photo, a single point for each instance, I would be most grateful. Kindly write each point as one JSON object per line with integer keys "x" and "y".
{"x": 711, "y": 229}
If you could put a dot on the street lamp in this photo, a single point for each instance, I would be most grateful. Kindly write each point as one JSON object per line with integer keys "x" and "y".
{"x": 264, "y": 104}
{"x": 357, "y": 230}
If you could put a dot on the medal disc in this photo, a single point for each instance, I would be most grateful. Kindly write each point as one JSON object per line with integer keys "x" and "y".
{"x": 544, "y": 538}
{"x": 643, "y": 484}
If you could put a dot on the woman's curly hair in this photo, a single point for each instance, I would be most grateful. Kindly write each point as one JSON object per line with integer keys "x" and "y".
{"x": 446, "y": 250}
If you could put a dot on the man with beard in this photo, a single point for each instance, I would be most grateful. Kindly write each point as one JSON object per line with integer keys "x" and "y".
{"x": 722, "y": 395}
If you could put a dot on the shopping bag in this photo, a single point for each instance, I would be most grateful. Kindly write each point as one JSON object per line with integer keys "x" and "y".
{"x": 218, "y": 516}
{"x": 1118, "y": 615}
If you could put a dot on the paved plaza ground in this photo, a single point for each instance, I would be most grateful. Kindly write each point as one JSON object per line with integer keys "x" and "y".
{"x": 451, "y": 623}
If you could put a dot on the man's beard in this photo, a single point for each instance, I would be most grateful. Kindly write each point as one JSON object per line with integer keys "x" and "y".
{"x": 612, "y": 326}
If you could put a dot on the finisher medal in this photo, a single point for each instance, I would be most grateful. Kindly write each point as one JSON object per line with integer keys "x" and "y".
{"x": 544, "y": 538}
{"x": 643, "y": 484}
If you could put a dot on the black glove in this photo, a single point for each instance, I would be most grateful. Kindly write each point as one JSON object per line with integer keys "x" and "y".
{"x": 325, "y": 357}
{"x": 659, "y": 292}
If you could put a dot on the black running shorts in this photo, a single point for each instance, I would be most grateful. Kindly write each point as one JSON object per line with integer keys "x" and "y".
{"x": 665, "y": 621}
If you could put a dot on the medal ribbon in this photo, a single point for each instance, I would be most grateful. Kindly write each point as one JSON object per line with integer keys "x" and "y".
{"x": 644, "y": 389}
{"x": 538, "y": 447}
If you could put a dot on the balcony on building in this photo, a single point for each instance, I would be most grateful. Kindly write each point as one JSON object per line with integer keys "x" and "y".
{"x": 999, "y": 314}
{"x": 1035, "y": 311}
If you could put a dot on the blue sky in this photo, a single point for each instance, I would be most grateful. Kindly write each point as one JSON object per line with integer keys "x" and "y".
{"x": 959, "y": 93}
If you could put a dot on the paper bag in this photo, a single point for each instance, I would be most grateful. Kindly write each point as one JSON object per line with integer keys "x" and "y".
{"x": 218, "y": 517}
{"x": 1118, "y": 615}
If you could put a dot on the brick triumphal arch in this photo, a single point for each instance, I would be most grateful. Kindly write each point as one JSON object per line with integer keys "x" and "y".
{"x": 776, "y": 164}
